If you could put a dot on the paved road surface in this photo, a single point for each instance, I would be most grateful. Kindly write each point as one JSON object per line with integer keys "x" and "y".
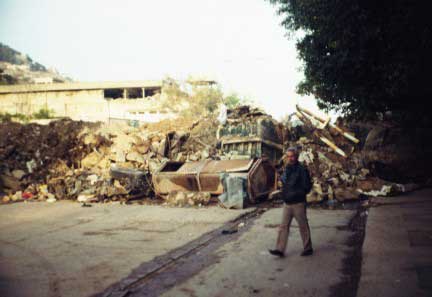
{"x": 113, "y": 250}
{"x": 239, "y": 264}
{"x": 397, "y": 252}
{"x": 63, "y": 249}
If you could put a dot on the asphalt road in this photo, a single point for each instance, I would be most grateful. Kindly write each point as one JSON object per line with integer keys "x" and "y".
{"x": 245, "y": 268}
{"x": 62, "y": 249}
{"x": 397, "y": 251}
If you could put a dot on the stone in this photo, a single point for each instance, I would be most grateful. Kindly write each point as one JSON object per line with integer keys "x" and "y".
{"x": 18, "y": 173}
{"x": 193, "y": 157}
{"x": 179, "y": 157}
{"x": 389, "y": 189}
{"x": 10, "y": 182}
{"x": 31, "y": 165}
{"x": 90, "y": 139}
{"x": 162, "y": 148}
{"x": 136, "y": 139}
{"x": 85, "y": 198}
{"x": 17, "y": 196}
{"x": 136, "y": 157}
{"x": 179, "y": 198}
{"x": 155, "y": 138}
{"x": 153, "y": 165}
{"x": 120, "y": 156}
{"x": 306, "y": 157}
{"x": 43, "y": 189}
{"x": 376, "y": 137}
{"x": 205, "y": 154}
{"x": 155, "y": 146}
{"x": 316, "y": 194}
{"x": 90, "y": 160}
{"x": 104, "y": 163}
{"x": 120, "y": 190}
{"x": 196, "y": 198}
{"x": 344, "y": 194}
{"x": 92, "y": 179}
{"x": 143, "y": 148}
{"x": 51, "y": 198}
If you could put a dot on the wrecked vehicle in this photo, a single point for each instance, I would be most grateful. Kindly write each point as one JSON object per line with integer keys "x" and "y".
{"x": 238, "y": 183}
{"x": 250, "y": 143}
{"x": 250, "y": 134}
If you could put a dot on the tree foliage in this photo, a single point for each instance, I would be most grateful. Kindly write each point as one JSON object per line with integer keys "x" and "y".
{"x": 234, "y": 100}
{"x": 196, "y": 102}
{"x": 363, "y": 57}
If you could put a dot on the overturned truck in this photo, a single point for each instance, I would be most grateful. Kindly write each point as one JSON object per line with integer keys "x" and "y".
{"x": 250, "y": 144}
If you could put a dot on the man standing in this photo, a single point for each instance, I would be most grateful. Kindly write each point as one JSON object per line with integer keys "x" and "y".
{"x": 296, "y": 184}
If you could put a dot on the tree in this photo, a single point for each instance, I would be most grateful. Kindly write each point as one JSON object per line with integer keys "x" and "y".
{"x": 363, "y": 57}
{"x": 232, "y": 100}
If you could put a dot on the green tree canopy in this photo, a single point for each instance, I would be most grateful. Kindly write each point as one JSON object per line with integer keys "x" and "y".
{"x": 363, "y": 57}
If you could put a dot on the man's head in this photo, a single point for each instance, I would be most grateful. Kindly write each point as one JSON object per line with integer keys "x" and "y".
{"x": 292, "y": 155}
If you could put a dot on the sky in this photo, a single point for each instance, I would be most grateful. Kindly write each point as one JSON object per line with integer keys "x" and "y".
{"x": 238, "y": 43}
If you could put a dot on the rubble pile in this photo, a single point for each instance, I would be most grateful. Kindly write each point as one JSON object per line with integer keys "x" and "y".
{"x": 91, "y": 162}
{"x": 82, "y": 161}
{"x": 336, "y": 162}
{"x": 182, "y": 199}
{"x": 31, "y": 153}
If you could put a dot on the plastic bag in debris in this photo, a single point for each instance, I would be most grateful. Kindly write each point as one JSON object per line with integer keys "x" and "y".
{"x": 234, "y": 191}
{"x": 222, "y": 117}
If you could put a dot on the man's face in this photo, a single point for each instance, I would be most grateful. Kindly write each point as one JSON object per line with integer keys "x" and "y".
{"x": 291, "y": 158}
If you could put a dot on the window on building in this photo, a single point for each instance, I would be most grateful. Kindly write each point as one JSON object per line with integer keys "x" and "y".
{"x": 113, "y": 93}
{"x": 134, "y": 93}
{"x": 152, "y": 91}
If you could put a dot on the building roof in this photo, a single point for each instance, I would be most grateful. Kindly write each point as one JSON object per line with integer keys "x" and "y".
{"x": 78, "y": 86}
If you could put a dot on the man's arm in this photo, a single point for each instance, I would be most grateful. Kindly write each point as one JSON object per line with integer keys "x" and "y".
{"x": 284, "y": 176}
{"x": 307, "y": 183}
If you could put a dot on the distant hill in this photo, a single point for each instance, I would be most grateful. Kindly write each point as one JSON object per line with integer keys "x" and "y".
{"x": 17, "y": 68}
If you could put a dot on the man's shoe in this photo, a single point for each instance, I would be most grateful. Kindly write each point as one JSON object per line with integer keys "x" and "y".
{"x": 306, "y": 253}
{"x": 277, "y": 253}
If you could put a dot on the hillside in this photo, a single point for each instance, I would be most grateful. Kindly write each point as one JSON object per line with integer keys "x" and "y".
{"x": 18, "y": 68}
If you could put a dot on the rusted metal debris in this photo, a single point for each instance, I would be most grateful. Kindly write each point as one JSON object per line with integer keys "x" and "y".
{"x": 206, "y": 176}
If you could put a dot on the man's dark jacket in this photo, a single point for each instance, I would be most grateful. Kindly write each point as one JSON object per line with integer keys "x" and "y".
{"x": 296, "y": 183}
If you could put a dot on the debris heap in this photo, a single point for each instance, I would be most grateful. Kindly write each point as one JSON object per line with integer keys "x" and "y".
{"x": 81, "y": 161}
{"x": 90, "y": 161}
{"x": 335, "y": 161}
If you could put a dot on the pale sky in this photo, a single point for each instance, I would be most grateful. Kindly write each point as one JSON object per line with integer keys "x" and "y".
{"x": 239, "y": 43}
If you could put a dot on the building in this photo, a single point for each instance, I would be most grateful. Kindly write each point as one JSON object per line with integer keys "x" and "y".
{"x": 93, "y": 101}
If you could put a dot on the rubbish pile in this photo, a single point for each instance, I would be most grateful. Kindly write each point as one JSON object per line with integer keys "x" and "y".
{"x": 83, "y": 161}
{"x": 94, "y": 162}
{"x": 335, "y": 161}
